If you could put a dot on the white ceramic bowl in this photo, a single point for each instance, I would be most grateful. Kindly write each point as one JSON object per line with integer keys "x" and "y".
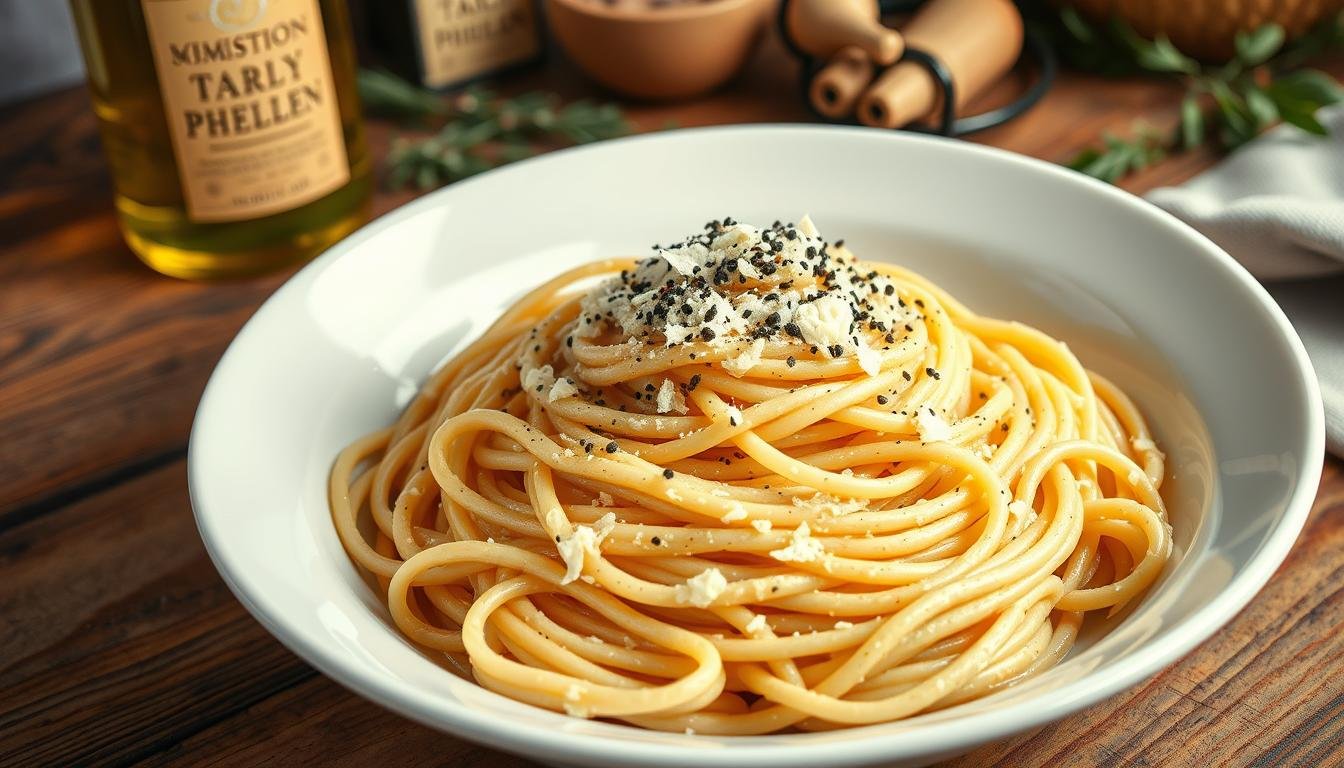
{"x": 1140, "y": 297}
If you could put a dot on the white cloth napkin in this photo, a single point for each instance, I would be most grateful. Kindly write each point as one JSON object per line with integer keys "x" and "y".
{"x": 1277, "y": 205}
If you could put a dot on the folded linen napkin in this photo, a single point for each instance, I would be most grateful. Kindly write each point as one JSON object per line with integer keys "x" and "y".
{"x": 1277, "y": 205}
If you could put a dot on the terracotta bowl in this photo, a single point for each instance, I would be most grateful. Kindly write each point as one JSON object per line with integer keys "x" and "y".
{"x": 659, "y": 53}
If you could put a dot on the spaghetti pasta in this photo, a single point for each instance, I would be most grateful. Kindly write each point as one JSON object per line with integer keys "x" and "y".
{"x": 752, "y": 484}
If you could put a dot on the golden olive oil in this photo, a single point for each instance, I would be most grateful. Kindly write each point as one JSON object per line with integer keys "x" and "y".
{"x": 231, "y": 128}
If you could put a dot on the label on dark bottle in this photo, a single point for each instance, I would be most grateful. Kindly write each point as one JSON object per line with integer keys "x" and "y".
{"x": 251, "y": 105}
{"x": 462, "y": 39}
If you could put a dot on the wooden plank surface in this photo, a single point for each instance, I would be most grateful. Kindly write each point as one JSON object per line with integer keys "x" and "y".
{"x": 122, "y": 646}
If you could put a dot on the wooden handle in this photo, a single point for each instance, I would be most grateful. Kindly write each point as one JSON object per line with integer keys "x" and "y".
{"x": 823, "y": 27}
{"x": 978, "y": 41}
{"x": 838, "y": 85}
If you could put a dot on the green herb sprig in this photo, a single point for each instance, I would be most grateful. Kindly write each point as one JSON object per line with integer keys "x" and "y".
{"x": 476, "y": 130}
{"x": 1118, "y": 156}
{"x": 1225, "y": 105}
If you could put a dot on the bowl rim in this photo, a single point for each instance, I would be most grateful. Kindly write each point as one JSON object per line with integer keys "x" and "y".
{"x": 699, "y": 10}
{"x": 778, "y": 750}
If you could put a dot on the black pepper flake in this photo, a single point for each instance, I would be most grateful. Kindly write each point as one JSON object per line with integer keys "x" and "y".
{"x": 793, "y": 330}
{"x": 933, "y": 374}
{"x": 905, "y": 375}
{"x": 919, "y": 303}
{"x": 569, "y": 341}
{"x": 612, "y": 447}
{"x": 707, "y": 334}
{"x": 791, "y": 362}
{"x": 695, "y": 382}
{"x": 669, "y": 474}
{"x": 657, "y": 542}
{"x": 710, "y": 315}
{"x": 881, "y": 399}
{"x": 889, "y": 290}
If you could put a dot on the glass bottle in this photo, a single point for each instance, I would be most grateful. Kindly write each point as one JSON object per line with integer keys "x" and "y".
{"x": 231, "y": 128}
{"x": 444, "y": 43}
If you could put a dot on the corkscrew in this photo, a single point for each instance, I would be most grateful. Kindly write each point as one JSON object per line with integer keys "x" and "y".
{"x": 856, "y": 69}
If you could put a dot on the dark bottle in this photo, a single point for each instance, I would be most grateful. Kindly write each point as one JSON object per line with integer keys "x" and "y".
{"x": 443, "y": 43}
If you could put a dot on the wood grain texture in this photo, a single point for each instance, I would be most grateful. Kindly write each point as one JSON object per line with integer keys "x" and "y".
{"x": 119, "y": 637}
{"x": 121, "y": 645}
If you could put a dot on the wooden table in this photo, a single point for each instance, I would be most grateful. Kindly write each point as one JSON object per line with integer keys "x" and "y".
{"x": 120, "y": 645}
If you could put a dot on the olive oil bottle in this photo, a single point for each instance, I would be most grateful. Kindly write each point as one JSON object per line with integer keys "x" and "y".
{"x": 442, "y": 44}
{"x": 231, "y": 128}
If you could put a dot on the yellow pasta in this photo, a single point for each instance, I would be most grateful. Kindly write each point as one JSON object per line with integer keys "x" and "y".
{"x": 752, "y": 484}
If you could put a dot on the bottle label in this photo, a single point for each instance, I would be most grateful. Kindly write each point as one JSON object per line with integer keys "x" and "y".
{"x": 461, "y": 39}
{"x": 251, "y": 106}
